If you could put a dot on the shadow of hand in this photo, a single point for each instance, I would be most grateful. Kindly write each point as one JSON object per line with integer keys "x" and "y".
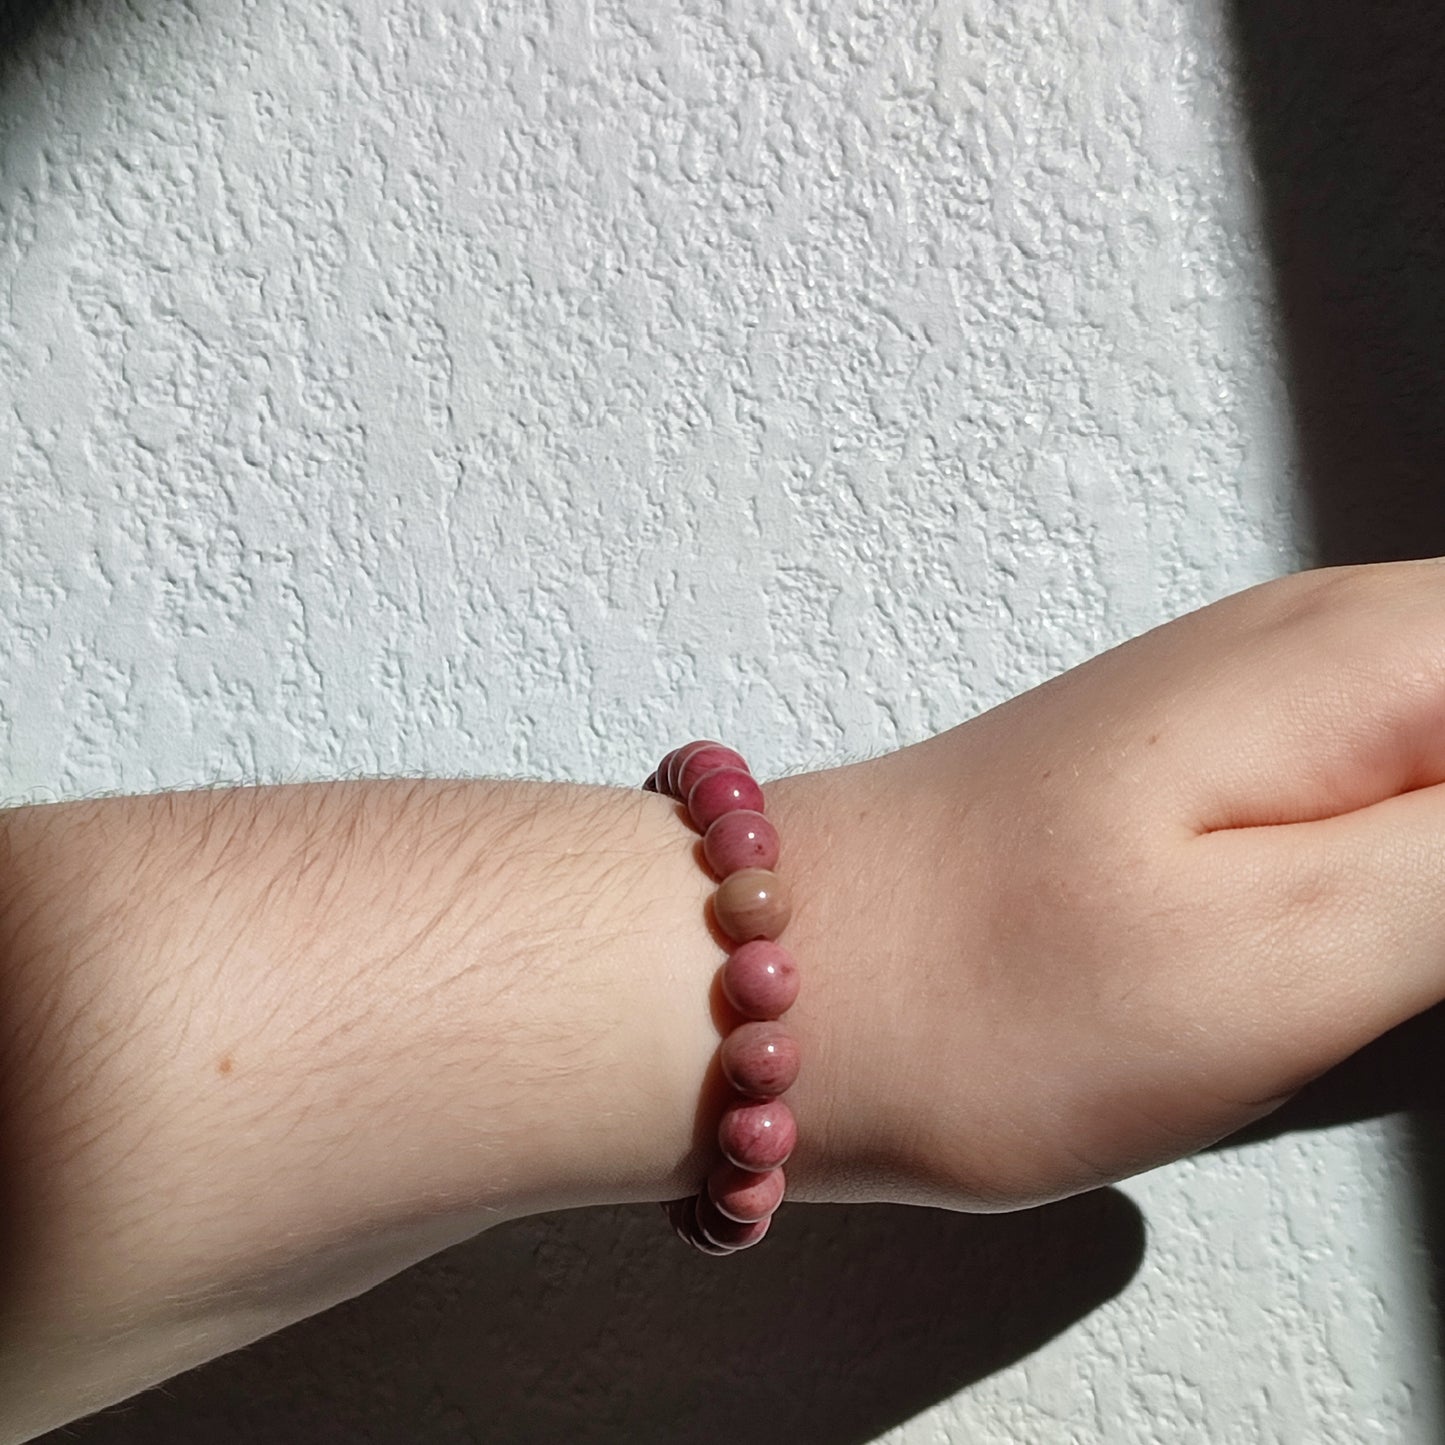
{"x": 595, "y": 1327}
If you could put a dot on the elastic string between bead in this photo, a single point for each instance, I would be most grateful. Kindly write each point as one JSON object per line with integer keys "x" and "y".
{"x": 757, "y": 1132}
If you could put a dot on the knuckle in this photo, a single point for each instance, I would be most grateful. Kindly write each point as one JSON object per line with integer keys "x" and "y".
{"x": 1375, "y": 624}
{"x": 1328, "y": 596}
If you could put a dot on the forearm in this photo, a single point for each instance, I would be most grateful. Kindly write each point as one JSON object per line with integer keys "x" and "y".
{"x": 262, "y": 1048}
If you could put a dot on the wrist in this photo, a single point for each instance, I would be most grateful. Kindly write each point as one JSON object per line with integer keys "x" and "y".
{"x": 855, "y": 859}
{"x": 893, "y": 1018}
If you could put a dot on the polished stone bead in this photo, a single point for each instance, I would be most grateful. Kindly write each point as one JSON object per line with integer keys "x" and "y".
{"x": 757, "y": 1134}
{"x": 760, "y": 1059}
{"x": 704, "y": 759}
{"x": 676, "y": 1211}
{"x": 752, "y": 903}
{"x": 684, "y": 1217}
{"x": 743, "y": 1195}
{"x": 760, "y": 979}
{"x": 723, "y": 790}
{"x": 663, "y": 772}
{"x": 740, "y": 839}
{"x": 718, "y": 1229}
{"x": 672, "y": 776}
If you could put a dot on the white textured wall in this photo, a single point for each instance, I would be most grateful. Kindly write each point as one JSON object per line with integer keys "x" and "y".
{"x": 521, "y": 388}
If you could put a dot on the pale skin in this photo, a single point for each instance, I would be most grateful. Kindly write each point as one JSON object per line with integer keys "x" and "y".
{"x": 262, "y": 1048}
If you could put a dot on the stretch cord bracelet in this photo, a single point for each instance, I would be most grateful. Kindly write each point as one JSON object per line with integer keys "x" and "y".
{"x": 757, "y": 1132}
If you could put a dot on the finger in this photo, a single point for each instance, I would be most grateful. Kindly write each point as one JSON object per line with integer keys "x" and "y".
{"x": 1345, "y": 926}
{"x": 1303, "y": 699}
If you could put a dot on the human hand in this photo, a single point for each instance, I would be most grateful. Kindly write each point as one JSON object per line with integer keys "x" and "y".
{"x": 347, "y": 1024}
{"x": 1128, "y": 912}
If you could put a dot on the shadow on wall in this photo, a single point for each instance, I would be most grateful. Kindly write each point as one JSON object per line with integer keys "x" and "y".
{"x": 1347, "y": 125}
{"x": 19, "y": 20}
{"x": 597, "y": 1327}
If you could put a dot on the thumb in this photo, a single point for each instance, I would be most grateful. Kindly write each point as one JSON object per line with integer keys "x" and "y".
{"x": 1349, "y": 917}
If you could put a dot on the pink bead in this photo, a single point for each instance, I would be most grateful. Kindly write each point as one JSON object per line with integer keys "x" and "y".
{"x": 718, "y": 1229}
{"x": 757, "y": 1134}
{"x": 703, "y": 760}
{"x": 740, "y": 839}
{"x": 760, "y": 1059}
{"x": 760, "y": 979}
{"x": 676, "y": 1211}
{"x": 744, "y": 1196}
{"x": 723, "y": 790}
{"x": 675, "y": 759}
{"x": 683, "y": 1214}
{"x": 661, "y": 772}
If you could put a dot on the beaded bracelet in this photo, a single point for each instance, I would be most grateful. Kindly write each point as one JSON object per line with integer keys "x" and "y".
{"x": 757, "y": 1132}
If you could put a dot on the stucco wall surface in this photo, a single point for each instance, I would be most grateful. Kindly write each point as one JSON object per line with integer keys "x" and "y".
{"x": 505, "y": 388}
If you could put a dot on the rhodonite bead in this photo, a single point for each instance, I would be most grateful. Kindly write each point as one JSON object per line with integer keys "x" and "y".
{"x": 740, "y": 839}
{"x": 705, "y": 759}
{"x": 757, "y": 1134}
{"x": 760, "y": 979}
{"x": 752, "y": 903}
{"x": 675, "y": 759}
{"x": 760, "y": 1059}
{"x": 723, "y": 790}
{"x": 726, "y": 1233}
{"x": 684, "y": 1220}
{"x": 676, "y": 1211}
{"x": 742, "y": 1195}
{"x": 660, "y": 772}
